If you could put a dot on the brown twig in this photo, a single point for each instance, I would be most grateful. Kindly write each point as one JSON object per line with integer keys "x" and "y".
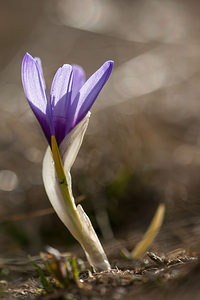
{"x": 35, "y": 214}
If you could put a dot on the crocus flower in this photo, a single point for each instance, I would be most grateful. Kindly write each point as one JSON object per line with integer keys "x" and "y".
{"x": 70, "y": 97}
{"x": 64, "y": 120}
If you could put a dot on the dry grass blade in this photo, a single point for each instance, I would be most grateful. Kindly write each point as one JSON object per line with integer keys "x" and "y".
{"x": 150, "y": 234}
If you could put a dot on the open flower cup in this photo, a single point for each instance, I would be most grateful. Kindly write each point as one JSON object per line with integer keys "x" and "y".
{"x": 64, "y": 120}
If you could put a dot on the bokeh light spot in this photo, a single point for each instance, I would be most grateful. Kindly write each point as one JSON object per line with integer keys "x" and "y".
{"x": 8, "y": 180}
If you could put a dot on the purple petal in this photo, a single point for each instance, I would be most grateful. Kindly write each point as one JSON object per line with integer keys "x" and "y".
{"x": 89, "y": 92}
{"x": 60, "y": 97}
{"x": 34, "y": 89}
{"x": 78, "y": 80}
{"x": 39, "y": 66}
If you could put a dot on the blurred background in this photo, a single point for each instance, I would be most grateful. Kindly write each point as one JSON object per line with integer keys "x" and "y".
{"x": 142, "y": 146}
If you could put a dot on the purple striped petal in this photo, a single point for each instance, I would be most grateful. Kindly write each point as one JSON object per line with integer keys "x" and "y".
{"x": 88, "y": 93}
{"x": 35, "y": 91}
{"x": 78, "y": 80}
{"x": 60, "y": 98}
